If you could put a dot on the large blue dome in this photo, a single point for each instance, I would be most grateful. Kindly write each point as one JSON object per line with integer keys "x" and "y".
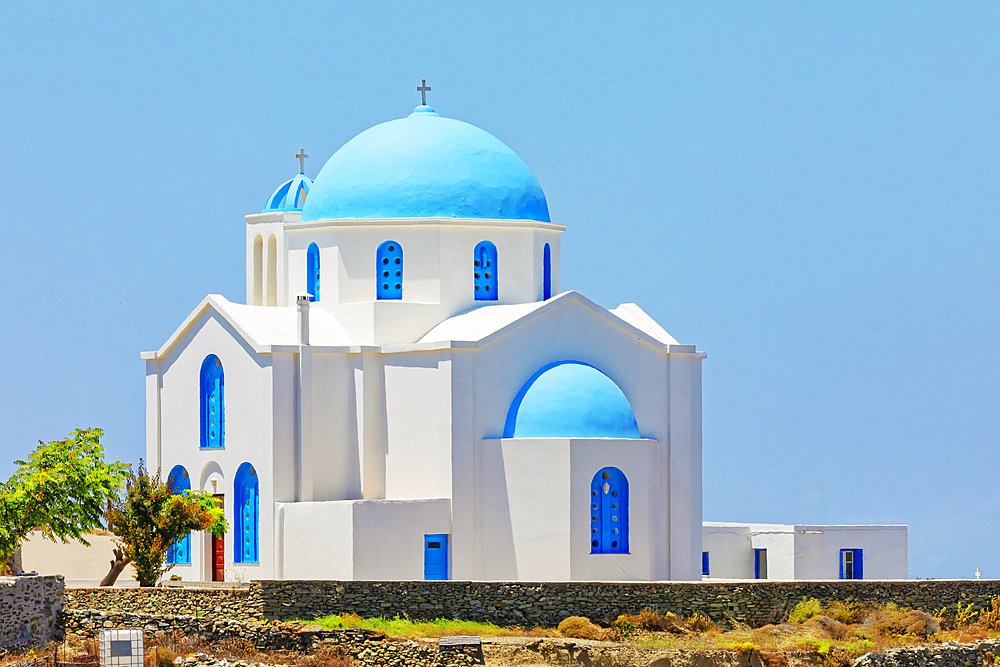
{"x": 426, "y": 166}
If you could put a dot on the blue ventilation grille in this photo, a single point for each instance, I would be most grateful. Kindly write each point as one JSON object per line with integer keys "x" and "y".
{"x": 180, "y": 551}
{"x": 247, "y": 511}
{"x": 213, "y": 406}
{"x": 389, "y": 265}
{"x": 485, "y": 271}
{"x": 609, "y": 512}
{"x": 312, "y": 272}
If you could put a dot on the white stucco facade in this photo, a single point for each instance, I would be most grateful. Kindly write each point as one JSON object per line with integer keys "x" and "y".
{"x": 371, "y": 422}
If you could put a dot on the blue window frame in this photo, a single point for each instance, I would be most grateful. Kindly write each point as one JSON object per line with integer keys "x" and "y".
{"x": 389, "y": 265}
{"x": 760, "y": 563}
{"x": 213, "y": 403}
{"x": 485, "y": 271}
{"x": 609, "y": 512}
{"x": 704, "y": 563}
{"x": 851, "y": 564}
{"x": 247, "y": 515}
{"x": 179, "y": 482}
{"x": 547, "y": 273}
{"x": 312, "y": 272}
{"x": 436, "y": 557}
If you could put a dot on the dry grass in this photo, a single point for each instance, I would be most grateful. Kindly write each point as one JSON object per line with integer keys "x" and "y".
{"x": 580, "y": 627}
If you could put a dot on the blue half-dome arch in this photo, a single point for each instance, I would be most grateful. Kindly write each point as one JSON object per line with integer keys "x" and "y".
{"x": 570, "y": 399}
{"x": 426, "y": 166}
{"x": 290, "y": 195}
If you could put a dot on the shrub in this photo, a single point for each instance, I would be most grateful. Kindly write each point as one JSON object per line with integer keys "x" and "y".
{"x": 831, "y": 627}
{"x": 892, "y": 621}
{"x": 989, "y": 617}
{"x": 160, "y": 656}
{"x": 580, "y": 627}
{"x": 654, "y": 621}
{"x": 622, "y": 629}
{"x": 804, "y": 610}
{"x": 699, "y": 622}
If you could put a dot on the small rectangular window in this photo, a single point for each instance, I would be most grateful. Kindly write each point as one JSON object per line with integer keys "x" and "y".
{"x": 704, "y": 563}
{"x": 433, "y": 545}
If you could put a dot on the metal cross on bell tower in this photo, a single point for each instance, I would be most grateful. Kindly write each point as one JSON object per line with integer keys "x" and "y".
{"x": 423, "y": 89}
{"x": 302, "y": 155}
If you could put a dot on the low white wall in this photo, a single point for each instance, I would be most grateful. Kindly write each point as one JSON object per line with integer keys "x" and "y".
{"x": 359, "y": 539}
{"x": 79, "y": 564}
{"x": 730, "y": 555}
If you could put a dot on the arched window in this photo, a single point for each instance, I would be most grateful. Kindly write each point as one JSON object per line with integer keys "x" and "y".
{"x": 485, "y": 271}
{"x": 547, "y": 273}
{"x": 258, "y": 271}
{"x": 312, "y": 272}
{"x": 609, "y": 512}
{"x": 247, "y": 511}
{"x": 213, "y": 403}
{"x": 389, "y": 265}
{"x": 180, "y": 551}
{"x": 272, "y": 271}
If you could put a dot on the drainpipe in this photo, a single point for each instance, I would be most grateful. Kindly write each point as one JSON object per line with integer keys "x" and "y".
{"x": 303, "y": 458}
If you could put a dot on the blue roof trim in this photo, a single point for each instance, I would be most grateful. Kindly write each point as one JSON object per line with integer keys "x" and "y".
{"x": 426, "y": 166}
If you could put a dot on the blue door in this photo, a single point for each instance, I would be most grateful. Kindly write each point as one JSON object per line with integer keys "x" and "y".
{"x": 436, "y": 557}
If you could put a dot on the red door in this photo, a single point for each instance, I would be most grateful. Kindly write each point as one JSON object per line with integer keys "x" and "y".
{"x": 219, "y": 549}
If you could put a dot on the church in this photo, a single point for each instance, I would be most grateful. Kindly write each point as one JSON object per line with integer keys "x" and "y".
{"x": 409, "y": 393}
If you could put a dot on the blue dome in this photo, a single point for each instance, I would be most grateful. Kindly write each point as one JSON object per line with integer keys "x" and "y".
{"x": 426, "y": 166}
{"x": 569, "y": 399}
{"x": 290, "y": 196}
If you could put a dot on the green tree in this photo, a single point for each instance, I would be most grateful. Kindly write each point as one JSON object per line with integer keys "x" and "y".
{"x": 61, "y": 490}
{"x": 150, "y": 518}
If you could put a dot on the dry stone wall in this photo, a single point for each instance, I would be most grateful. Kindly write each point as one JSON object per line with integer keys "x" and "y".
{"x": 524, "y": 604}
{"x": 29, "y": 610}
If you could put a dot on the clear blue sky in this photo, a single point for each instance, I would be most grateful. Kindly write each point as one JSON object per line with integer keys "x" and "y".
{"x": 807, "y": 191}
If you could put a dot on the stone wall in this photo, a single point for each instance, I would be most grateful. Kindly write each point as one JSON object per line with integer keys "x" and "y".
{"x": 524, "y": 604}
{"x": 241, "y": 603}
{"x": 29, "y": 610}
{"x": 949, "y": 654}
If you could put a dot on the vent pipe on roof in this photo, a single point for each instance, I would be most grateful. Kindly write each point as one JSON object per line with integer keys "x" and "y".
{"x": 302, "y": 304}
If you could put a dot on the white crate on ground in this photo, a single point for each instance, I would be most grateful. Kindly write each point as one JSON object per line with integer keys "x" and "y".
{"x": 121, "y": 648}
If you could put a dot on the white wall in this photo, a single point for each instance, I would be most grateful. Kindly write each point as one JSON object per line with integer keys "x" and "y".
{"x": 536, "y": 509}
{"x": 362, "y": 539}
{"x": 817, "y": 550}
{"x": 79, "y": 564}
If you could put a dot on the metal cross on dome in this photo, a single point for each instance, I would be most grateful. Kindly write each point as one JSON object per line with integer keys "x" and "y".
{"x": 302, "y": 155}
{"x": 423, "y": 89}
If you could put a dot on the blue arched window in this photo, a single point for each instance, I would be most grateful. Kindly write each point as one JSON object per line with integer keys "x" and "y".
{"x": 247, "y": 515}
{"x": 312, "y": 272}
{"x": 180, "y": 551}
{"x": 389, "y": 264}
{"x": 547, "y": 273}
{"x": 213, "y": 405}
{"x": 485, "y": 271}
{"x": 609, "y": 512}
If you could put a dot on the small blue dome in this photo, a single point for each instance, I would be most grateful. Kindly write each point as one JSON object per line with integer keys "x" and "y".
{"x": 291, "y": 196}
{"x": 570, "y": 399}
{"x": 426, "y": 166}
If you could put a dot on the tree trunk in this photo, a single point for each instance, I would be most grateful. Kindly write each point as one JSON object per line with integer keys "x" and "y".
{"x": 117, "y": 566}
{"x": 12, "y": 564}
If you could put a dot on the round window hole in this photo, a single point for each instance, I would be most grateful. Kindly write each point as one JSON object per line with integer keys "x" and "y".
{"x": 605, "y": 475}
{"x": 594, "y": 543}
{"x": 614, "y": 544}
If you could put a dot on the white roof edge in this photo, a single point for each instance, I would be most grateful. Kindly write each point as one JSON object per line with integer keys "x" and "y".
{"x": 395, "y": 222}
{"x": 210, "y": 301}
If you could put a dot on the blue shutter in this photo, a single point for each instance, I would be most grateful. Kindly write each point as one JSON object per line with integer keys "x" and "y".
{"x": 213, "y": 408}
{"x": 389, "y": 271}
{"x": 758, "y": 554}
{"x": 247, "y": 515}
{"x": 180, "y": 551}
{"x": 436, "y": 557}
{"x": 547, "y": 273}
{"x": 704, "y": 563}
{"x": 858, "y": 564}
{"x": 485, "y": 272}
{"x": 312, "y": 272}
{"x": 609, "y": 512}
